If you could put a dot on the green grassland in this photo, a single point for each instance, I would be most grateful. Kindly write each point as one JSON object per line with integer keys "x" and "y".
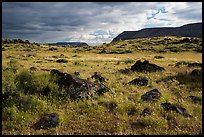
{"x": 91, "y": 116}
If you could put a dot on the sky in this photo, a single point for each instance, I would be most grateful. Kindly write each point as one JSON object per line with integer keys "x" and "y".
{"x": 91, "y": 22}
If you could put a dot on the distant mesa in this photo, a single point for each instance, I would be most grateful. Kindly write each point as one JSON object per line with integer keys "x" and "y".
{"x": 72, "y": 44}
{"x": 189, "y": 30}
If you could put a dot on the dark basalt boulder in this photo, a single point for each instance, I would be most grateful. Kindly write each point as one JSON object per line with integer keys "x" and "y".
{"x": 141, "y": 81}
{"x": 146, "y": 67}
{"x": 97, "y": 76}
{"x": 151, "y": 95}
{"x": 177, "y": 109}
{"x": 196, "y": 72}
{"x": 131, "y": 111}
{"x": 46, "y": 122}
{"x": 33, "y": 68}
{"x": 195, "y": 99}
{"x": 146, "y": 112}
{"x": 77, "y": 87}
{"x": 46, "y": 91}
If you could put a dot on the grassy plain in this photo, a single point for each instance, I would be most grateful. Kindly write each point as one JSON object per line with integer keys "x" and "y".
{"x": 88, "y": 116}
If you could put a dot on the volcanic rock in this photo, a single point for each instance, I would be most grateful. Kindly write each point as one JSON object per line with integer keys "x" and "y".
{"x": 146, "y": 67}
{"x": 195, "y": 99}
{"x": 46, "y": 122}
{"x": 177, "y": 109}
{"x": 151, "y": 95}
{"x": 146, "y": 111}
{"x": 77, "y": 87}
{"x": 141, "y": 81}
{"x": 98, "y": 77}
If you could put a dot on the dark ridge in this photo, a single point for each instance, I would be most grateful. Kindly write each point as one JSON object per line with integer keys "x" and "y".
{"x": 189, "y": 30}
{"x": 72, "y": 44}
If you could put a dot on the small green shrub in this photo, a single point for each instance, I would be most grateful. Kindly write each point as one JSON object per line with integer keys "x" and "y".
{"x": 10, "y": 113}
{"x": 182, "y": 63}
{"x": 52, "y": 49}
{"x": 174, "y": 49}
{"x": 198, "y": 49}
{"x": 77, "y": 63}
{"x": 129, "y": 61}
{"x": 158, "y": 57}
{"x": 75, "y": 55}
{"x": 128, "y": 51}
{"x": 24, "y": 82}
{"x": 102, "y": 51}
{"x": 28, "y": 103}
{"x": 8, "y": 83}
{"x": 13, "y": 65}
{"x": 154, "y": 122}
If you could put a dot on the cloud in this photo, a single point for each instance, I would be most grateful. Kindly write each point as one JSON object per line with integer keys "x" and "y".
{"x": 160, "y": 10}
{"x": 91, "y": 22}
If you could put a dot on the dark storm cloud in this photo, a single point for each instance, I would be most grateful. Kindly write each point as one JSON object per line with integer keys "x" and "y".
{"x": 57, "y": 21}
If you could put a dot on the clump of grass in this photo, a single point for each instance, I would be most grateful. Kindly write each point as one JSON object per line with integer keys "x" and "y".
{"x": 174, "y": 49}
{"x": 77, "y": 63}
{"x": 182, "y": 63}
{"x": 129, "y": 61}
{"x": 154, "y": 122}
{"x": 13, "y": 65}
{"x": 75, "y": 55}
{"x": 8, "y": 83}
{"x": 158, "y": 57}
{"x": 198, "y": 49}
{"x": 52, "y": 49}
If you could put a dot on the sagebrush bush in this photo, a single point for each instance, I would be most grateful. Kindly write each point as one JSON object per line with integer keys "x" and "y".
{"x": 13, "y": 65}
{"x": 29, "y": 103}
{"x": 24, "y": 82}
{"x": 8, "y": 83}
{"x": 61, "y": 61}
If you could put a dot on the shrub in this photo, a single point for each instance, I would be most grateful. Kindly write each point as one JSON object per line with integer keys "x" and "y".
{"x": 198, "y": 49}
{"x": 158, "y": 57}
{"x": 52, "y": 48}
{"x": 78, "y": 63}
{"x": 10, "y": 113}
{"x": 129, "y": 61}
{"x": 102, "y": 51}
{"x": 162, "y": 51}
{"x": 181, "y": 63}
{"x": 174, "y": 49}
{"x": 154, "y": 122}
{"x": 28, "y": 103}
{"x": 75, "y": 55}
{"x": 62, "y": 61}
{"x": 24, "y": 82}
{"x": 13, "y": 65}
{"x": 8, "y": 83}
{"x": 128, "y": 51}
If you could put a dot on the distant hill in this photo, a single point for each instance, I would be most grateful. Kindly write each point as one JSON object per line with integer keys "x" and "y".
{"x": 74, "y": 44}
{"x": 189, "y": 30}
